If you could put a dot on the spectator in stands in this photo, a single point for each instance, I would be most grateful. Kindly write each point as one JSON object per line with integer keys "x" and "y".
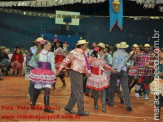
{"x": 17, "y": 62}
{"x": 5, "y": 63}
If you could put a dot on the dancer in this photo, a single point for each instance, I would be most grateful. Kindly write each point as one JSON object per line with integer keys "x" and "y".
{"x": 108, "y": 60}
{"x": 79, "y": 66}
{"x": 145, "y": 74}
{"x": 43, "y": 76}
{"x": 98, "y": 81}
{"x": 133, "y": 71}
{"x": 132, "y": 65}
{"x": 31, "y": 65}
{"x": 120, "y": 58}
{"x": 59, "y": 57}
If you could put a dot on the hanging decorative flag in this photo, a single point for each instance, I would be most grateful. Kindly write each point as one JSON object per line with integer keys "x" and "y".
{"x": 116, "y": 13}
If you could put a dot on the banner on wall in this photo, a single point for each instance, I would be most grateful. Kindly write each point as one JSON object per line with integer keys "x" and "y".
{"x": 61, "y": 15}
{"x": 70, "y": 39}
{"x": 116, "y": 13}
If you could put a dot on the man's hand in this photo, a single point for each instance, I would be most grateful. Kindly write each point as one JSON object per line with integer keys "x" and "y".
{"x": 114, "y": 71}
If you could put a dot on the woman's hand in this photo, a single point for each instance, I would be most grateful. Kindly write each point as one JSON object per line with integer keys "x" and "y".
{"x": 58, "y": 72}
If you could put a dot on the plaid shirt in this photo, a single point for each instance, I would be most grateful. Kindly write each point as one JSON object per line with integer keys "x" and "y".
{"x": 142, "y": 70}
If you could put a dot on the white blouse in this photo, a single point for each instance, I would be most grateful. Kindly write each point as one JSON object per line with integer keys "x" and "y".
{"x": 46, "y": 56}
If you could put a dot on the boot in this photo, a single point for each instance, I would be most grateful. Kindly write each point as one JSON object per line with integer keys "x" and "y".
{"x": 46, "y": 102}
{"x": 35, "y": 96}
{"x": 121, "y": 101}
{"x": 104, "y": 104}
{"x": 63, "y": 81}
{"x": 95, "y": 103}
{"x": 54, "y": 85}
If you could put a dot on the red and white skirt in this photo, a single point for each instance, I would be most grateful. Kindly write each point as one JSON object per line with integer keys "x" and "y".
{"x": 42, "y": 76}
{"x": 97, "y": 82}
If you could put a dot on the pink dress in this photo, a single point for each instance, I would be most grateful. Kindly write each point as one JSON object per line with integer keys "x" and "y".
{"x": 98, "y": 80}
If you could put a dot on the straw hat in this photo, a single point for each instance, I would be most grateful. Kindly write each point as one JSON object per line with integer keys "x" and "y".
{"x": 39, "y": 39}
{"x": 147, "y": 45}
{"x": 117, "y": 45}
{"x": 82, "y": 42}
{"x": 116, "y": 2}
{"x": 135, "y": 45}
{"x": 2, "y": 47}
{"x": 107, "y": 45}
{"x": 123, "y": 45}
{"x": 7, "y": 50}
{"x": 101, "y": 45}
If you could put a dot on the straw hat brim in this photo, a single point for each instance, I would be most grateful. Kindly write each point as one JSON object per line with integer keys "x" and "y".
{"x": 124, "y": 46}
{"x": 82, "y": 43}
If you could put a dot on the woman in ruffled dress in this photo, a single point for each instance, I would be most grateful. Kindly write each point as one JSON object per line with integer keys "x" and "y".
{"x": 59, "y": 57}
{"x": 44, "y": 75}
{"x": 98, "y": 81}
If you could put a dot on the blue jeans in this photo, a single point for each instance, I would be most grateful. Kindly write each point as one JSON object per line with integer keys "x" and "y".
{"x": 7, "y": 63}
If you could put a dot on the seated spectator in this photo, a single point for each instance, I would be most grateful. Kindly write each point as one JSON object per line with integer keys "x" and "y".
{"x": 17, "y": 62}
{"x": 5, "y": 63}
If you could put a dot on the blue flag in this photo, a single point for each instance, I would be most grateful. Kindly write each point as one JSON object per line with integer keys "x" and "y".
{"x": 116, "y": 17}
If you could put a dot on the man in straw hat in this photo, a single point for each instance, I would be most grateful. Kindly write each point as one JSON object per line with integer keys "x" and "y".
{"x": 80, "y": 67}
{"x": 145, "y": 73}
{"x": 120, "y": 58}
{"x": 30, "y": 63}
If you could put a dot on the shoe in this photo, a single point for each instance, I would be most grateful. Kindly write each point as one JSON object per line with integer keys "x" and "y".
{"x": 85, "y": 113}
{"x": 146, "y": 97}
{"x": 70, "y": 111}
{"x": 129, "y": 109}
{"x": 137, "y": 95}
{"x": 1, "y": 79}
{"x": 121, "y": 101}
{"x": 110, "y": 105}
{"x": 48, "y": 110}
{"x": 86, "y": 94}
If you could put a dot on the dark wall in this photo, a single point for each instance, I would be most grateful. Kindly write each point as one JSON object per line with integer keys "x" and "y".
{"x": 22, "y": 30}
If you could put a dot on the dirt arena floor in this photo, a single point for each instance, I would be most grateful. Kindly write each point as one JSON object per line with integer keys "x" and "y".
{"x": 14, "y": 105}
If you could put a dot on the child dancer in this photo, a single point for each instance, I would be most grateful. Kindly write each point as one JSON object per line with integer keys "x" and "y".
{"x": 43, "y": 76}
{"x": 59, "y": 57}
{"x": 98, "y": 81}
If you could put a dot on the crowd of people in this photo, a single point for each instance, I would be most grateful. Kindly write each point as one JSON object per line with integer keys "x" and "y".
{"x": 103, "y": 68}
